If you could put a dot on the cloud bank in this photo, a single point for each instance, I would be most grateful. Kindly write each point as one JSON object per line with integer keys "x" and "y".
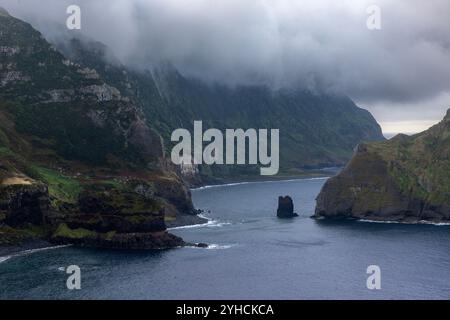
{"x": 317, "y": 44}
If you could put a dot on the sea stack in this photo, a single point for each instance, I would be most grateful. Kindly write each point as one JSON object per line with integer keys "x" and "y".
{"x": 286, "y": 208}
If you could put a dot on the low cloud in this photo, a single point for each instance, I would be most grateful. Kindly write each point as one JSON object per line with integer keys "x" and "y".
{"x": 321, "y": 45}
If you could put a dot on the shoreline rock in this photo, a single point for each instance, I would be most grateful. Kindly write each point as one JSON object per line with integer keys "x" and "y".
{"x": 113, "y": 240}
{"x": 286, "y": 208}
{"x": 105, "y": 215}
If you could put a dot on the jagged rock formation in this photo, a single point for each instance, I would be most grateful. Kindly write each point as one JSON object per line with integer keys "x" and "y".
{"x": 286, "y": 207}
{"x": 404, "y": 179}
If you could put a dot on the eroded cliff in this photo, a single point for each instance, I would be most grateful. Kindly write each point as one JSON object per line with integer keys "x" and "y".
{"x": 404, "y": 179}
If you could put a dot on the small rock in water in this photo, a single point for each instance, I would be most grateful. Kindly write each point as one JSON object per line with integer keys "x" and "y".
{"x": 286, "y": 208}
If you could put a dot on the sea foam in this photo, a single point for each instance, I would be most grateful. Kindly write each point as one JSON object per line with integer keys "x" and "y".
{"x": 219, "y": 247}
{"x": 256, "y": 182}
{"x": 31, "y": 251}
{"x": 211, "y": 223}
{"x": 3, "y": 259}
{"x": 412, "y": 223}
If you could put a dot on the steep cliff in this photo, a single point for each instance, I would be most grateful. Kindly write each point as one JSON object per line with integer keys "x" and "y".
{"x": 316, "y": 129}
{"x": 77, "y": 155}
{"x": 404, "y": 179}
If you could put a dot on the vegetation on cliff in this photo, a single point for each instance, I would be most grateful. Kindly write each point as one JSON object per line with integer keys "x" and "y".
{"x": 77, "y": 156}
{"x": 316, "y": 129}
{"x": 404, "y": 179}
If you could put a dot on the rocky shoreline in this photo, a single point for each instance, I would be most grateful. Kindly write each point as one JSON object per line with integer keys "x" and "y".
{"x": 165, "y": 240}
{"x": 385, "y": 220}
{"x": 185, "y": 220}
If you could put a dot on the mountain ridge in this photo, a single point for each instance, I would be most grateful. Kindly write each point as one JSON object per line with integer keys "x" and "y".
{"x": 316, "y": 130}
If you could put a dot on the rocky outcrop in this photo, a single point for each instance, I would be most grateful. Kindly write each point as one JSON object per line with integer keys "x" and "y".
{"x": 116, "y": 240}
{"x": 119, "y": 216}
{"x": 13, "y": 76}
{"x": 405, "y": 179}
{"x": 286, "y": 208}
{"x": 103, "y": 207}
{"x": 21, "y": 205}
{"x": 178, "y": 194}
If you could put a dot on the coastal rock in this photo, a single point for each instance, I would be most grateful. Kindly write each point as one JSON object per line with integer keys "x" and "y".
{"x": 176, "y": 192}
{"x": 115, "y": 217}
{"x": 201, "y": 245}
{"x": 22, "y": 204}
{"x": 114, "y": 240}
{"x": 117, "y": 210}
{"x": 286, "y": 207}
{"x": 405, "y": 179}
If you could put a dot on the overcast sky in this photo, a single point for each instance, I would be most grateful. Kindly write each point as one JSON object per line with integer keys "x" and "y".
{"x": 401, "y": 73}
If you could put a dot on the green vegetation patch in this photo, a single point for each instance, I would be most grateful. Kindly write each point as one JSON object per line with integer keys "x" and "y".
{"x": 418, "y": 164}
{"x": 113, "y": 196}
{"x": 64, "y": 231}
{"x": 61, "y": 188}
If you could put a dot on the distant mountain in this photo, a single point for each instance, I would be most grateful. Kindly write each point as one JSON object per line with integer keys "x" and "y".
{"x": 316, "y": 130}
{"x": 404, "y": 179}
{"x": 77, "y": 156}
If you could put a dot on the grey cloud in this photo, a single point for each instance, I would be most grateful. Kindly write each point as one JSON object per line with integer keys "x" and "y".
{"x": 321, "y": 45}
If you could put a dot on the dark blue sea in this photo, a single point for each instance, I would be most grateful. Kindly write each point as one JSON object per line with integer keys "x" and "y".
{"x": 252, "y": 255}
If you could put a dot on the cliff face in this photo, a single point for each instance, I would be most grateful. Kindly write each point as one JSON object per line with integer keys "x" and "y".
{"x": 404, "y": 179}
{"x": 78, "y": 157}
{"x": 316, "y": 130}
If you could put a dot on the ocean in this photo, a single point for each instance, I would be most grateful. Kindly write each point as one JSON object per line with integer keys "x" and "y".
{"x": 251, "y": 255}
